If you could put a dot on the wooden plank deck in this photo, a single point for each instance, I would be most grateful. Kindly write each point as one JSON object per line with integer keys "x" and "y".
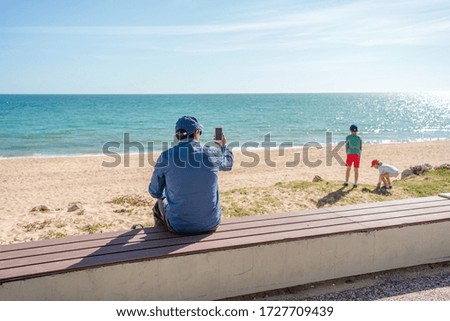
{"x": 50, "y": 257}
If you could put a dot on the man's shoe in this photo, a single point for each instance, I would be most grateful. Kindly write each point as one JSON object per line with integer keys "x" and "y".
{"x": 355, "y": 185}
{"x": 345, "y": 184}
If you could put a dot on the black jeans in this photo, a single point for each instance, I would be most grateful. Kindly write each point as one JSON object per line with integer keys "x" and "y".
{"x": 159, "y": 214}
{"x": 161, "y": 219}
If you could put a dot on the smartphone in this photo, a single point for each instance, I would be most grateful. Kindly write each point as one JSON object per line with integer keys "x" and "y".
{"x": 218, "y": 134}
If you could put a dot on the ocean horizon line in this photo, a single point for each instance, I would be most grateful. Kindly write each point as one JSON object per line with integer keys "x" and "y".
{"x": 232, "y": 93}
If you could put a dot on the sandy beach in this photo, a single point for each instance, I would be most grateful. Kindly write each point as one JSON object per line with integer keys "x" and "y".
{"x": 102, "y": 192}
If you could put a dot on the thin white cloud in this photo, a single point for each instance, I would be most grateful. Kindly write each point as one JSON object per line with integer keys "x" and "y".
{"x": 332, "y": 63}
{"x": 361, "y": 23}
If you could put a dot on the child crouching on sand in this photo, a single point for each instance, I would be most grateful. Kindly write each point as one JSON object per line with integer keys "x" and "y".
{"x": 386, "y": 172}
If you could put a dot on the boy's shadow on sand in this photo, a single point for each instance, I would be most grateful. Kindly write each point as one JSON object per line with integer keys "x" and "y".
{"x": 334, "y": 197}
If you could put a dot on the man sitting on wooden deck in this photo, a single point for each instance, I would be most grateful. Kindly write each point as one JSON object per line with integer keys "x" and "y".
{"x": 185, "y": 181}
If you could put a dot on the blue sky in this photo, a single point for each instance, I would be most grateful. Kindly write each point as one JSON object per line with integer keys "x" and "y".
{"x": 187, "y": 46}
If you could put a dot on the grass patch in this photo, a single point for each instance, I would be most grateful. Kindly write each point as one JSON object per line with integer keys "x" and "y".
{"x": 131, "y": 200}
{"x": 296, "y": 195}
{"x": 54, "y": 235}
{"x": 240, "y": 191}
{"x": 295, "y": 185}
{"x": 432, "y": 183}
{"x": 94, "y": 228}
{"x": 36, "y": 225}
{"x": 234, "y": 209}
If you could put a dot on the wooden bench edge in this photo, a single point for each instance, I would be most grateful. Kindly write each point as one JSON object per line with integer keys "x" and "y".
{"x": 361, "y": 230}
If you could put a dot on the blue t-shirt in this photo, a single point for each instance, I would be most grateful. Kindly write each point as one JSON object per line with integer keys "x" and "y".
{"x": 187, "y": 175}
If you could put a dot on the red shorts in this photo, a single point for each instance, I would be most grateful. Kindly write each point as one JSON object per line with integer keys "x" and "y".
{"x": 352, "y": 159}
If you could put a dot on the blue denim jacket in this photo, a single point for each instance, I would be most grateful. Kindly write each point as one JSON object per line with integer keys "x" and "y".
{"x": 187, "y": 175}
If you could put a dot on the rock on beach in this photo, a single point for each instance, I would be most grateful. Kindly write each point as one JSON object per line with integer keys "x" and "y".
{"x": 74, "y": 207}
{"x": 40, "y": 208}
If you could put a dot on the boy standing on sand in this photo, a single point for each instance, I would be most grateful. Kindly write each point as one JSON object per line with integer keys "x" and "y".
{"x": 353, "y": 148}
{"x": 386, "y": 172}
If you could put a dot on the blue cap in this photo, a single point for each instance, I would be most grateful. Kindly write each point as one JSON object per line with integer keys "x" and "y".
{"x": 353, "y": 128}
{"x": 189, "y": 123}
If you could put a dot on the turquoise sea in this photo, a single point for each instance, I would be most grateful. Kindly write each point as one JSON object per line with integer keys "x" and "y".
{"x": 59, "y": 125}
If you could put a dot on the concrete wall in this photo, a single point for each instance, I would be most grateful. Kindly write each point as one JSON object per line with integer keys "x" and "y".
{"x": 236, "y": 272}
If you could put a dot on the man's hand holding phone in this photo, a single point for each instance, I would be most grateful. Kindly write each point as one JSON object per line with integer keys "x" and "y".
{"x": 219, "y": 137}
